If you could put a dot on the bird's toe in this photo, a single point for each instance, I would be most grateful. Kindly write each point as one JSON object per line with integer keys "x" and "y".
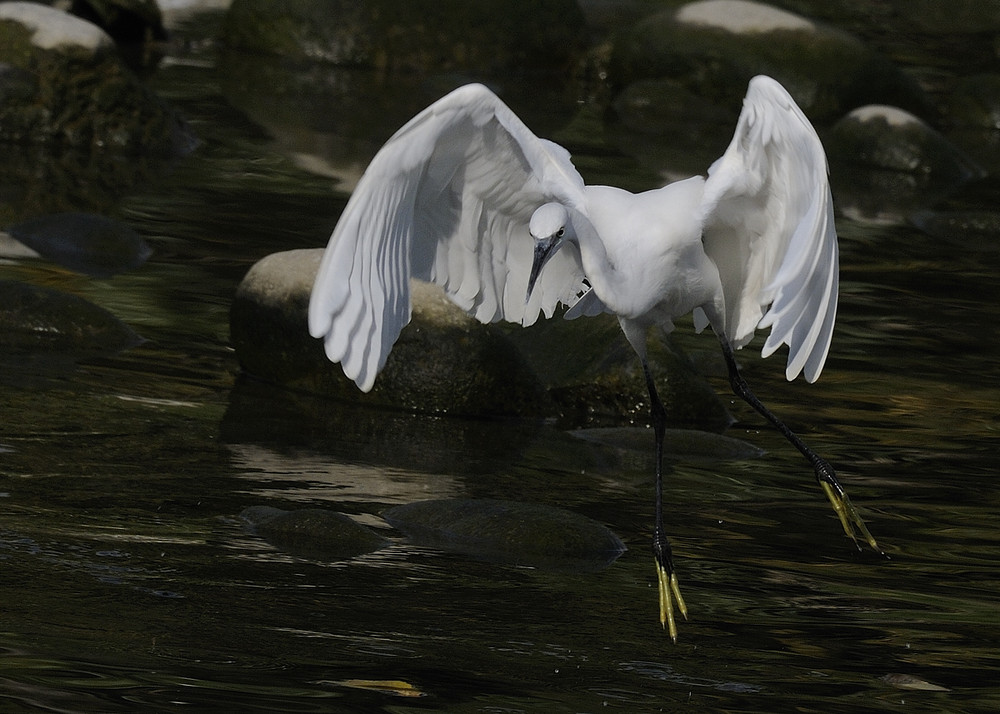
{"x": 849, "y": 517}
{"x": 667, "y": 585}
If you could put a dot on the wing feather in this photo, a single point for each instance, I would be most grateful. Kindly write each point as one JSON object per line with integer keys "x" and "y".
{"x": 447, "y": 199}
{"x": 768, "y": 226}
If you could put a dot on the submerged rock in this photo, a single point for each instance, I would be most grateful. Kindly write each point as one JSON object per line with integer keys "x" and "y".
{"x": 64, "y": 83}
{"x": 911, "y": 683}
{"x": 509, "y": 532}
{"x": 712, "y": 49}
{"x": 312, "y": 533}
{"x": 678, "y": 444}
{"x": 34, "y": 319}
{"x": 84, "y": 242}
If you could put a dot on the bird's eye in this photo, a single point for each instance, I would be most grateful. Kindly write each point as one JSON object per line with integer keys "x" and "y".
{"x": 559, "y": 233}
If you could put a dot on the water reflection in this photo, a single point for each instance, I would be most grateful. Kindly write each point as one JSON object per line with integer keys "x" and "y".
{"x": 259, "y": 413}
{"x": 312, "y": 476}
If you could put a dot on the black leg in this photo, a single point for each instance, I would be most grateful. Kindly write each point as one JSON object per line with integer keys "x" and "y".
{"x": 665, "y": 576}
{"x": 825, "y": 475}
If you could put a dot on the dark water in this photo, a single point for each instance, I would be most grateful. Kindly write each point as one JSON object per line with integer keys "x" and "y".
{"x": 128, "y": 584}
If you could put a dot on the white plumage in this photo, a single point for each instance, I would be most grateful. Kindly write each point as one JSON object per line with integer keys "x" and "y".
{"x": 466, "y": 196}
{"x": 450, "y": 196}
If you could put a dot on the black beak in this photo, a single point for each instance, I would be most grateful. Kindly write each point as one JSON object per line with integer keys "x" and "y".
{"x": 545, "y": 248}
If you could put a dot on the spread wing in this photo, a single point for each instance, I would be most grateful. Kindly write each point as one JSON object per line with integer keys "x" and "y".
{"x": 768, "y": 226}
{"x": 447, "y": 199}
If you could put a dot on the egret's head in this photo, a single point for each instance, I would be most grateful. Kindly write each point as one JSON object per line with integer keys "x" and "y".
{"x": 549, "y": 226}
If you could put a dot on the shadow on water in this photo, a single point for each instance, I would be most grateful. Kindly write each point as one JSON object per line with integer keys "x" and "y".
{"x": 129, "y": 582}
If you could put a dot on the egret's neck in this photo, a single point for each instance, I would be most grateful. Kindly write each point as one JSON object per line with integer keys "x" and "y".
{"x": 600, "y": 268}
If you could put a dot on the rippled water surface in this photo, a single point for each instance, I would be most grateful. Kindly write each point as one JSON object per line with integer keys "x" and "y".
{"x": 129, "y": 584}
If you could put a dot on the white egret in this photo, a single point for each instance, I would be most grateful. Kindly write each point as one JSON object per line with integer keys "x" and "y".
{"x": 466, "y": 196}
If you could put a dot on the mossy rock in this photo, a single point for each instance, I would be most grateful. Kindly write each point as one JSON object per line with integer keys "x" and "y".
{"x": 713, "y": 48}
{"x": 887, "y": 164}
{"x": 885, "y": 137}
{"x": 446, "y": 362}
{"x": 595, "y": 378}
{"x": 443, "y": 362}
{"x": 889, "y": 138}
{"x": 63, "y": 83}
{"x": 421, "y": 35}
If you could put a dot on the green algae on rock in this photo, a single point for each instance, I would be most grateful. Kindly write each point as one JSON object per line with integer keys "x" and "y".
{"x": 65, "y": 84}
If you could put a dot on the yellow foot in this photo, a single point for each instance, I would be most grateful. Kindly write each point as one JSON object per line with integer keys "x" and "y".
{"x": 667, "y": 585}
{"x": 849, "y": 517}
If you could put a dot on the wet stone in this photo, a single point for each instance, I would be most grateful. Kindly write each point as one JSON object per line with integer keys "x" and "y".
{"x": 64, "y": 83}
{"x": 313, "y": 533}
{"x": 595, "y": 378}
{"x": 84, "y": 242}
{"x": 888, "y": 164}
{"x": 446, "y": 362}
{"x": 411, "y": 35}
{"x": 712, "y": 48}
{"x": 509, "y": 532}
{"x": 678, "y": 444}
{"x": 886, "y": 137}
{"x": 443, "y": 362}
{"x": 34, "y": 318}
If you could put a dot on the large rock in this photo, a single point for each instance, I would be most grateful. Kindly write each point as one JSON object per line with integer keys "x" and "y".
{"x": 887, "y": 163}
{"x": 712, "y": 48}
{"x": 447, "y": 362}
{"x": 443, "y": 362}
{"x": 594, "y": 377}
{"x": 423, "y": 35}
{"x": 923, "y": 16}
{"x": 63, "y": 83}
{"x": 886, "y": 137}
